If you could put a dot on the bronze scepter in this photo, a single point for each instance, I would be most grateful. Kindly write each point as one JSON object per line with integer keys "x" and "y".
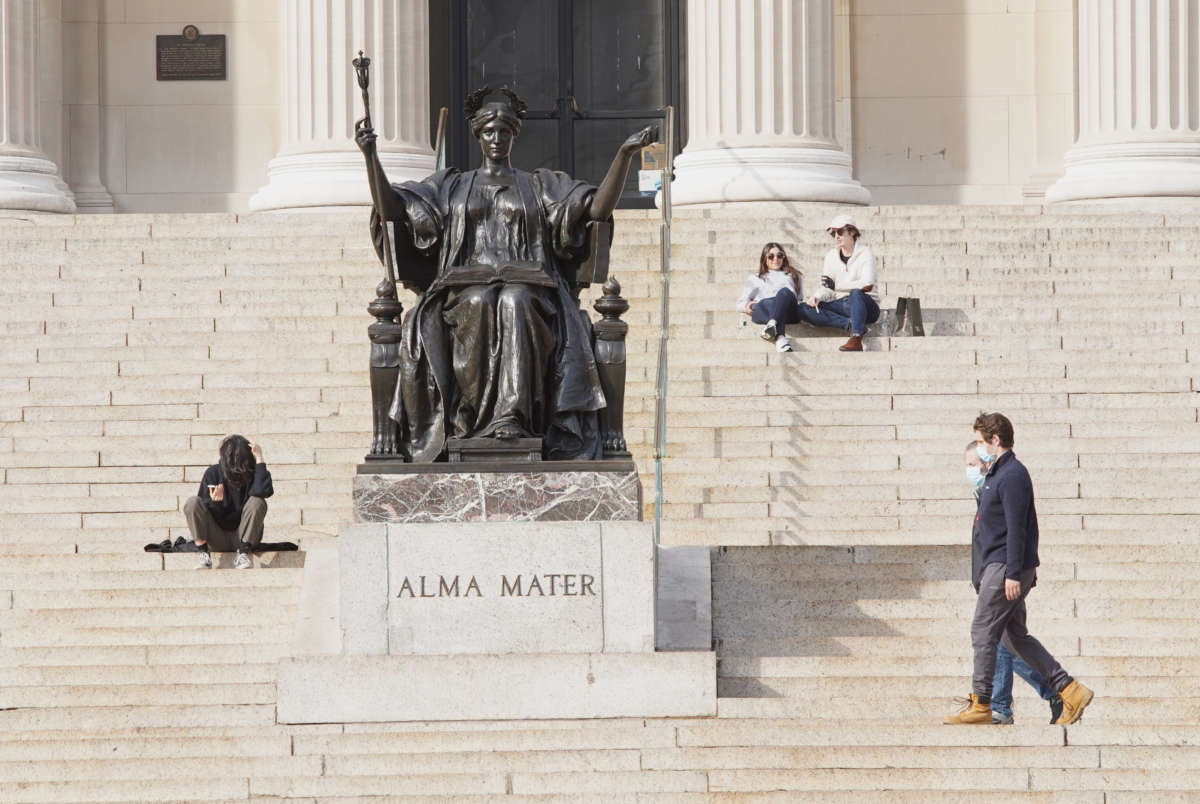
{"x": 362, "y": 65}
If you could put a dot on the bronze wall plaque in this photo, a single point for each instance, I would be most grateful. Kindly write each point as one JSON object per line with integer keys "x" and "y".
{"x": 191, "y": 56}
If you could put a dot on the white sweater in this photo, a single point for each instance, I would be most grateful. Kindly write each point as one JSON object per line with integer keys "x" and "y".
{"x": 858, "y": 273}
{"x": 757, "y": 289}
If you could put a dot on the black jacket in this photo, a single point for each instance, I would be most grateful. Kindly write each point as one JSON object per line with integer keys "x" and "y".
{"x": 228, "y": 512}
{"x": 1006, "y": 528}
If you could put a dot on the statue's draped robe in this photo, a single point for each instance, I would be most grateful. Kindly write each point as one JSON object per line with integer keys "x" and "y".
{"x": 500, "y": 254}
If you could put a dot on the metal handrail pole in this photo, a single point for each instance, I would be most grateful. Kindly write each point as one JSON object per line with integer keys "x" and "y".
{"x": 660, "y": 386}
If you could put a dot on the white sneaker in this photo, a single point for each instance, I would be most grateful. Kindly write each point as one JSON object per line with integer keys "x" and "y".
{"x": 205, "y": 561}
{"x": 242, "y": 561}
{"x": 783, "y": 345}
{"x": 769, "y": 331}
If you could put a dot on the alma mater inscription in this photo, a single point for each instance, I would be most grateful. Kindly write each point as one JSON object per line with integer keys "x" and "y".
{"x": 541, "y": 585}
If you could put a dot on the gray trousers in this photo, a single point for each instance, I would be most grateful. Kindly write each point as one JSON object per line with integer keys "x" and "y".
{"x": 999, "y": 619}
{"x": 205, "y": 529}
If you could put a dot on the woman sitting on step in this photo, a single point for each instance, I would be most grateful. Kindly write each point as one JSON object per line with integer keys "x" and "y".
{"x": 846, "y": 298}
{"x": 770, "y": 296}
{"x": 228, "y": 512}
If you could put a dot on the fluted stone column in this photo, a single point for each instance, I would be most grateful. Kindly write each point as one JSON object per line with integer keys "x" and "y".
{"x": 761, "y": 105}
{"x": 28, "y": 179}
{"x": 1137, "y": 104}
{"x": 319, "y": 165}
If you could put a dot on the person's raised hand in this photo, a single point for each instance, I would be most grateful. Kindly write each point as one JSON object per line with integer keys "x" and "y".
{"x": 364, "y": 136}
{"x": 217, "y": 492}
{"x": 812, "y": 302}
{"x": 640, "y": 139}
{"x": 256, "y": 451}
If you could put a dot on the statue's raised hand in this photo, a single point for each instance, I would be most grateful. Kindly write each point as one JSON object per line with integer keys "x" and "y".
{"x": 640, "y": 139}
{"x": 364, "y": 136}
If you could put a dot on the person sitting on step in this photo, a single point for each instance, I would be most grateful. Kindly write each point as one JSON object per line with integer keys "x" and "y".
{"x": 846, "y": 298}
{"x": 770, "y": 296}
{"x": 228, "y": 512}
{"x": 978, "y": 462}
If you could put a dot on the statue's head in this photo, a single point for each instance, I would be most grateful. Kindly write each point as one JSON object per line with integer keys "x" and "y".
{"x": 495, "y": 124}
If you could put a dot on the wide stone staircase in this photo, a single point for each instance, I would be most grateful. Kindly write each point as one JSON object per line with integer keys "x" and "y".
{"x": 829, "y": 485}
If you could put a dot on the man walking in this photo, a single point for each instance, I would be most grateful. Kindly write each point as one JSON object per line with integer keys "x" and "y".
{"x": 1006, "y": 544}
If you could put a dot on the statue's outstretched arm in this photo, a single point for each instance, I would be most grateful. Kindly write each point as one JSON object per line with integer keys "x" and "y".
{"x": 389, "y": 206}
{"x": 605, "y": 199}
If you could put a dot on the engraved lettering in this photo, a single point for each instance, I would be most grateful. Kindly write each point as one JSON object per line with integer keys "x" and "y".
{"x": 472, "y": 584}
{"x": 448, "y": 589}
{"x": 423, "y": 592}
{"x": 569, "y": 585}
{"x": 406, "y": 587}
{"x": 510, "y": 591}
{"x": 585, "y": 585}
{"x": 534, "y": 583}
{"x": 552, "y": 578}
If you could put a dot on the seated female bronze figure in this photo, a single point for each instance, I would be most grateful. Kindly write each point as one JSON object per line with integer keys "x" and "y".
{"x": 496, "y": 346}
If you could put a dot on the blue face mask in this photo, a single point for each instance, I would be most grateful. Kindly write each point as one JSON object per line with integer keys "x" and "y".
{"x": 983, "y": 454}
{"x": 974, "y": 476}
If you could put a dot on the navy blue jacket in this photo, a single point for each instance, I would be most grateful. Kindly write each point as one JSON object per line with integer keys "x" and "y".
{"x": 1006, "y": 528}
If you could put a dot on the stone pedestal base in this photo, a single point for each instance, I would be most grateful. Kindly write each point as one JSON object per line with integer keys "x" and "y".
{"x": 500, "y": 621}
{"x": 554, "y": 491}
{"x": 32, "y": 183}
{"x": 765, "y": 174}
{"x": 373, "y": 689}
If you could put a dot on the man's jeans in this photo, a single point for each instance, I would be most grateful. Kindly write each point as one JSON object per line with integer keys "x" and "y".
{"x": 851, "y": 313}
{"x": 1006, "y": 664}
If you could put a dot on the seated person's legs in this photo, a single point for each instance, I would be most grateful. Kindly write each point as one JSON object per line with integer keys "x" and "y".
{"x": 206, "y": 533}
{"x": 827, "y": 314}
{"x": 862, "y": 310}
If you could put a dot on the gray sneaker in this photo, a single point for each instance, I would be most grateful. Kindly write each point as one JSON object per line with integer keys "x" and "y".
{"x": 1001, "y": 720}
{"x": 242, "y": 561}
{"x": 205, "y": 560}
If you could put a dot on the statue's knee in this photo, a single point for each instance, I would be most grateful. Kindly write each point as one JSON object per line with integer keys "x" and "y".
{"x": 515, "y": 297}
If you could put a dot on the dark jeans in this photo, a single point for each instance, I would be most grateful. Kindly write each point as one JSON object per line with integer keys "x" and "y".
{"x": 998, "y": 618}
{"x": 1002, "y": 683}
{"x": 205, "y": 529}
{"x": 851, "y": 313}
{"x": 782, "y": 307}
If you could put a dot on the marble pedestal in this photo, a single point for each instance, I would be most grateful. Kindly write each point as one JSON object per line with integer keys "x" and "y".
{"x": 500, "y": 620}
{"x": 551, "y": 491}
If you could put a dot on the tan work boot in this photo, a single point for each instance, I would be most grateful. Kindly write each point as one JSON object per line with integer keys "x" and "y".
{"x": 974, "y": 711}
{"x": 854, "y": 344}
{"x": 1075, "y": 698}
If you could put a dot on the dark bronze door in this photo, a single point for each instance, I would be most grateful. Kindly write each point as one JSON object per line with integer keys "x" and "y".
{"x": 591, "y": 71}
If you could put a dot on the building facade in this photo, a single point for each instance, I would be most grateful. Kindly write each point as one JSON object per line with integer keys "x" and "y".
{"x": 855, "y": 101}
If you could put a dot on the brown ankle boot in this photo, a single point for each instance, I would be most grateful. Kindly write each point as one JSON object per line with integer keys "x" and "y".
{"x": 976, "y": 711}
{"x": 1075, "y": 698}
{"x": 852, "y": 345}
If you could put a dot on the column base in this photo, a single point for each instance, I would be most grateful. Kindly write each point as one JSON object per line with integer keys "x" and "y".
{"x": 1129, "y": 170}
{"x": 766, "y": 174}
{"x": 94, "y": 201}
{"x": 331, "y": 179}
{"x": 32, "y": 183}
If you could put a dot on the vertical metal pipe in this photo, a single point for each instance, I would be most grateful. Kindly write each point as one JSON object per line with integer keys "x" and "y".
{"x": 660, "y": 394}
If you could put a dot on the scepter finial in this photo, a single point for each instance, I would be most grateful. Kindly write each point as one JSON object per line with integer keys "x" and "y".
{"x": 360, "y": 69}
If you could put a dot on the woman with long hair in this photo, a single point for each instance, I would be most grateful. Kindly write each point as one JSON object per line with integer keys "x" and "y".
{"x": 227, "y": 513}
{"x": 770, "y": 296}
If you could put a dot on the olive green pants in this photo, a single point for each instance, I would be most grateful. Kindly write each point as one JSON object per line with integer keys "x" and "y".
{"x": 205, "y": 529}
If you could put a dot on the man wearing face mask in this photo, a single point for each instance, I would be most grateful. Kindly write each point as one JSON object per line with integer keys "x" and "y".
{"x": 978, "y": 463}
{"x": 1004, "y": 572}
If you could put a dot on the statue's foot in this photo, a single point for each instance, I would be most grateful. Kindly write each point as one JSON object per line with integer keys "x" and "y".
{"x": 509, "y": 431}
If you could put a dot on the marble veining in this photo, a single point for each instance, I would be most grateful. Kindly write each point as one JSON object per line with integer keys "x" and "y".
{"x": 497, "y": 497}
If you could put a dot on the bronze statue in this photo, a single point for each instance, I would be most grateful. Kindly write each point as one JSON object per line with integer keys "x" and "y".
{"x": 496, "y": 346}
